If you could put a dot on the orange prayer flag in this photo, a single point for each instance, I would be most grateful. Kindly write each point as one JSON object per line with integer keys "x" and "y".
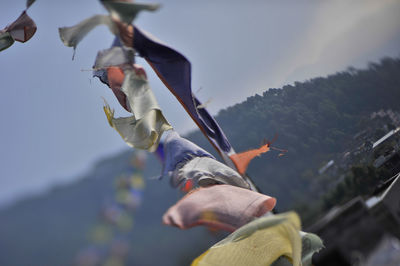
{"x": 242, "y": 160}
{"x": 116, "y": 76}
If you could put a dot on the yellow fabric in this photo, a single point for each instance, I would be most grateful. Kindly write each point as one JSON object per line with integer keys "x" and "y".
{"x": 260, "y": 242}
{"x": 199, "y": 258}
{"x": 144, "y": 133}
{"x": 144, "y": 128}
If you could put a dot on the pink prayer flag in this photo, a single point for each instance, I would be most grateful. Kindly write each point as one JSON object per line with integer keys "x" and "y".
{"x": 222, "y": 207}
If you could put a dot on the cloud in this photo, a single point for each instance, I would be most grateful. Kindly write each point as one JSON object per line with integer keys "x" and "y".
{"x": 340, "y": 34}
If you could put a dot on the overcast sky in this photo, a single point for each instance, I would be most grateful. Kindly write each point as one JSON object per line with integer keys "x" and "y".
{"x": 53, "y": 126}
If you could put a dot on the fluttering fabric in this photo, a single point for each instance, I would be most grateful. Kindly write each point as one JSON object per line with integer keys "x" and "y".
{"x": 109, "y": 68}
{"x": 185, "y": 161}
{"x": 205, "y": 171}
{"x": 174, "y": 70}
{"x": 242, "y": 160}
{"x": 159, "y": 153}
{"x": 137, "y": 90}
{"x": 21, "y": 30}
{"x": 126, "y": 11}
{"x": 119, "y": 12}
{"x": 129, "y": 83}
{"x": 6, "y": 40}
{"x": 29, "y": 3}
{"x": 115, "y": 79}
{"x": 221, "y": 207}
{"x": 260, "y": 242}
{"x": 143, "y": 130}
{"x": 112, "y": 57}
{"x": 178, "y": 151}
{"x": 141, "y": 134}
{"x": 310, "y": 244}
{"x": 224, "y": 202}
{"x": 71, "y": 36}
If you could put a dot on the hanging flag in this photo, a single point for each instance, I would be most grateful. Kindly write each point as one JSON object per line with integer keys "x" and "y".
{"x": 260, "y": 242}
{"x": 242, "y": 160}
{"x": 122, "y": 13}
{"x": 144, "y": 129}
{"x": 310, "y": 244}
{"x": 221, "y": 207}
{"x": 159, "y": 153}
{"x": 144, "y": 133}
{"x": 21, "y": 30}
{"x": 205, "y": 171}
{"x": 29, "y": 3}
{"x": 178, "y": 151}
{"x": 126, "y": 11}
{"x": 174, "y": 70}
{"x": 71, "y": 36}
{"x": 129, "y": 83}
{"x": 186, "y": 162}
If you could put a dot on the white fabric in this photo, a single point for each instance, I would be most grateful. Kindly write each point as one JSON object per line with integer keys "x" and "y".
{"x": 207, "y": 171}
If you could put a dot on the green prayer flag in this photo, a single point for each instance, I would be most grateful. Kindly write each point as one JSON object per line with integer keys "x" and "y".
{"x": 6, "y": 40}
{"x": 127, "y": 12}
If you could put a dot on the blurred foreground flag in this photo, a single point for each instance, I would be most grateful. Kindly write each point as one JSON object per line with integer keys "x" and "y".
{"x": 222, "y": 207}
{"x": 257, "y": 243}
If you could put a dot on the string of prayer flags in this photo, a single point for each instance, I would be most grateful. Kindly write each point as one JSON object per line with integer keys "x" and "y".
{"x": 172, "y": 67}
{"x": 139, "y": 160}
{"x": 225, "y": 200}
{"x": 109, "y": 236}
{"x": 21, "y": 30}
{"x": 128, "y": 81}
{"x": 260, "y": 242}
{"x": 221, "y": 207}
{"x": 174, "y": 70}
{"x": 122, "y": 11}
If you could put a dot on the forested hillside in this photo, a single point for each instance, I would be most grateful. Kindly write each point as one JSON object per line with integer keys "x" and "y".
{"x": 314, "y": 120}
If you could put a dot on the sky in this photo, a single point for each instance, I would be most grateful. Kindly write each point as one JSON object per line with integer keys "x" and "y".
{"x": 53, "y": 125}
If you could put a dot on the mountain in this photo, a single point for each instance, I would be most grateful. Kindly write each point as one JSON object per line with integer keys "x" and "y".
{"x": 53, "y": 228}
{"x": 314, "y": 120}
